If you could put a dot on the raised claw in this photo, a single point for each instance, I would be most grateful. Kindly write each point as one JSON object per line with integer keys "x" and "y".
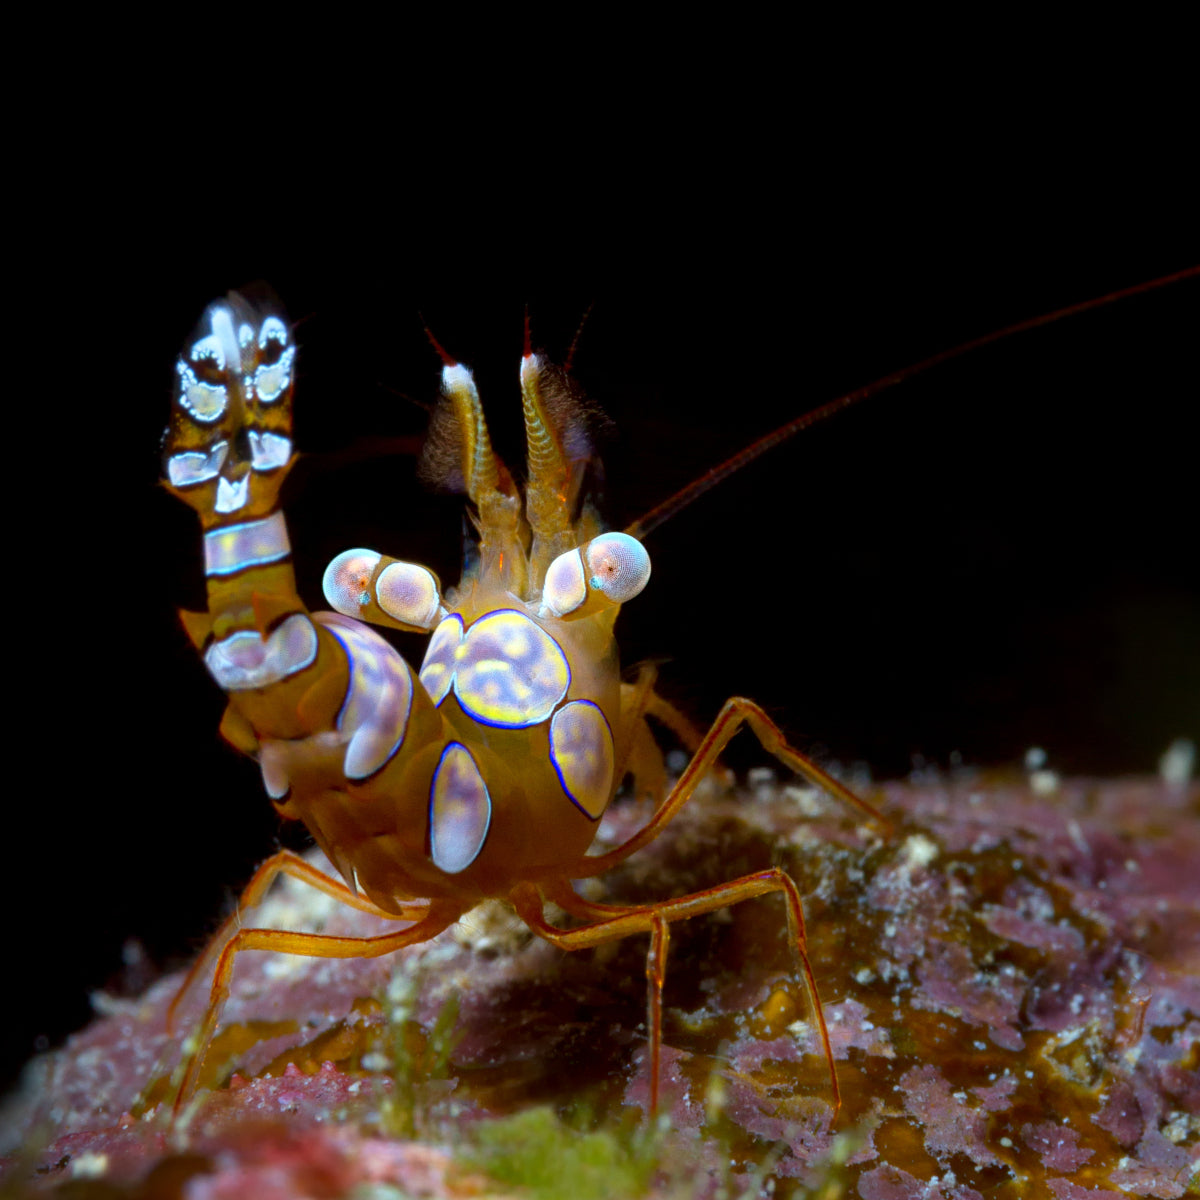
{"x": 229, "y": 443}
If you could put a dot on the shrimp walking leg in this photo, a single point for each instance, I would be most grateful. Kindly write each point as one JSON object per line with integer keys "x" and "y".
{"x": 612, "y": 922}
{"x": 313, "y": 945}
{"x": 736, "y": 712}
{"x": 292, "y": 865}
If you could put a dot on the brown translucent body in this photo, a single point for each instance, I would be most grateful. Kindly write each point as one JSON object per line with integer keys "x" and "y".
{"x": 376, "y": 829}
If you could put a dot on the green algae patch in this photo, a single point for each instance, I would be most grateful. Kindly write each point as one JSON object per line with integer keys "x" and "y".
{"x": 546, "y": 1158}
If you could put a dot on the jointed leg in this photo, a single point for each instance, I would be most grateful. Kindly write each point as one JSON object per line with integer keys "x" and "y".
{"x": 283, "y": 863}
{"x": 736, "y": 712}
{"x": 312, "y": 944}
{"x": 681, "y": 726}
{"x": 641, "y": 755}
{"x": 611, "y": 923}
{"x": 656, "y": 976}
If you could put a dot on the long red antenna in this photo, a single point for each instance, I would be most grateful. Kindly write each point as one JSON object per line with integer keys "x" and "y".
{"x": 587, "y": 312}
{"x": 682, "y": 498}
{"x": 448, "y": 359}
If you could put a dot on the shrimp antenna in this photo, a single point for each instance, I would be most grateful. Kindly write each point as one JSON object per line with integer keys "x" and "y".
{"x": 448, "y": 359}
{"x": 694, "y": 490}
{"x": 587, "y": 312}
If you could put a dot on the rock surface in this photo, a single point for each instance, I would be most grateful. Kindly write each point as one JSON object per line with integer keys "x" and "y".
{"x": 1011, "y": 982}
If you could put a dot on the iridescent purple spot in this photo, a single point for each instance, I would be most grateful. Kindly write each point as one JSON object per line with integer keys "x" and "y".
{"x": 510, "y": 672}
{"x": 460, "y": 811}
{"x": 581, "y": 749}
{"x": 437, "y": 671}
{"x": 374, "y": 714}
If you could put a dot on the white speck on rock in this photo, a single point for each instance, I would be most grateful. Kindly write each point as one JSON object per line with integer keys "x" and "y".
{"x": 89, "y": 1166}
{"x": 1044, "y": 783}
{"x": 918, "y": 851}
{"x": 1178, "y": 762}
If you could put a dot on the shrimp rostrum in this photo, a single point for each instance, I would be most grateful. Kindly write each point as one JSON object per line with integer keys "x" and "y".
{"x": 485, "y": 773}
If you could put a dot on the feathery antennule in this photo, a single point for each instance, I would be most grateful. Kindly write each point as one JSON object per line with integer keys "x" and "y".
{"x": 440, "y": 463}
{"x": 558, "y": 421}
{"x": 458, "y": 431}
{"x": 559, "y": 426}
{"x": 547, "y": 503}
{"x": 458, "y": 455}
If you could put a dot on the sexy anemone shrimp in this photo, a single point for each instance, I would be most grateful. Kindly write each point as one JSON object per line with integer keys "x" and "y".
{"x": 485, "y": 776}
{"x": 458, "y": 836}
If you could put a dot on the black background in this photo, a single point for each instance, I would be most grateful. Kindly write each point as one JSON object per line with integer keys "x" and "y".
{"x": 997, "y": 555}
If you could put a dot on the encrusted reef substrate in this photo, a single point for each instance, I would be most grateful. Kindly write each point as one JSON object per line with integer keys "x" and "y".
{"x": 1011, "y": 982}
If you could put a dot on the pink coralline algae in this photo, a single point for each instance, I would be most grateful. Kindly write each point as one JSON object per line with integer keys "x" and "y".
{"x": 1011, "y": 982}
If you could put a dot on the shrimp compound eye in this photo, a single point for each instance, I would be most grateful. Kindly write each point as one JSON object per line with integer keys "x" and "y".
{"x": 617, "y": 565}
{"x": 347, "y": 581}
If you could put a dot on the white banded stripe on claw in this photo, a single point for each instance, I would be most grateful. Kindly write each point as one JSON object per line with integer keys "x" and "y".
{"x": 374, "y": 715}
{"x": 268, "y": 451}
{"x": 216, "y": 356}
{"x": 196, "y": 466}
{"x": 271, "y": 379}
{"x": 234, "y": 548}
{"x": 232, "y": 495}
{"x": 225, "y": 377}
{"x": 244, "y": 660}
